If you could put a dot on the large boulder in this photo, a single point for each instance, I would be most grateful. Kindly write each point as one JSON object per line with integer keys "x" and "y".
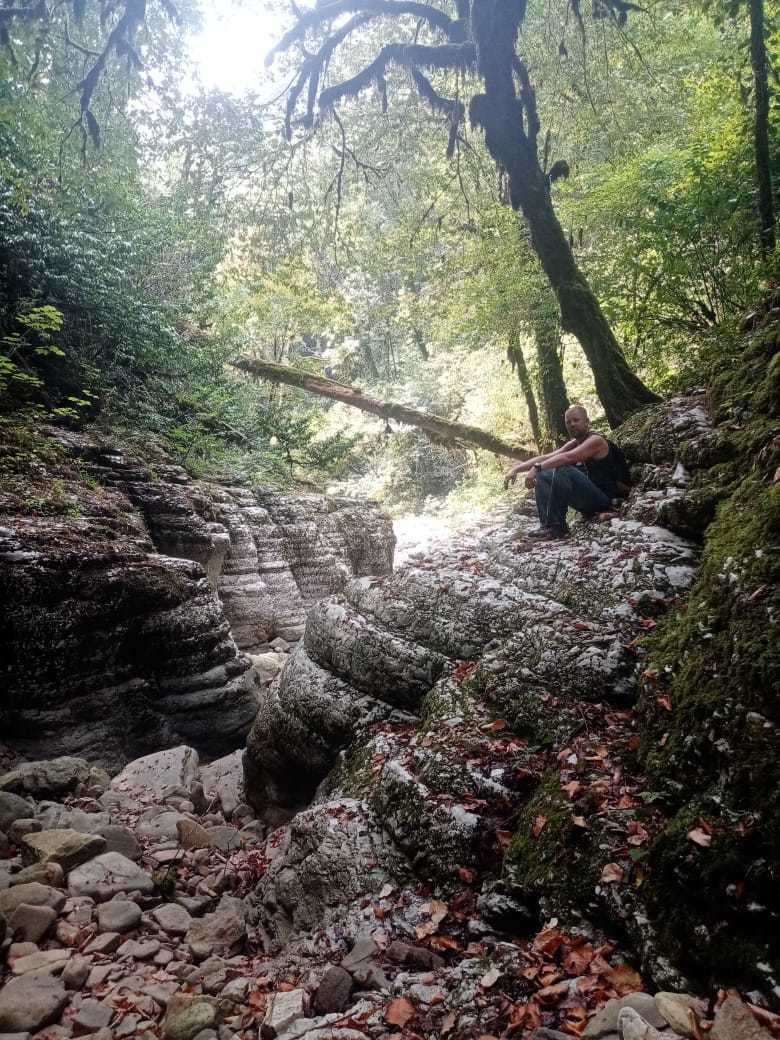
{"x": 152, "y": 774}
{"x": 107, "y": 875}
{"x": 45, "y": 779}
{"x": 65, "y": 847}
{"x": 30, "y": 1002}
{"x": 329, "y": 856}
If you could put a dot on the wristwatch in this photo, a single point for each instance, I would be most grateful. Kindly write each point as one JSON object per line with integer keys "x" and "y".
{"x": 537, "y": 466}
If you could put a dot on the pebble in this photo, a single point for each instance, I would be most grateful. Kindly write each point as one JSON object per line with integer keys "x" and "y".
{"x": 172, "y": 918}
{"x": 76, "y": 972}
{"x": 32, "y": 894}
{"x": 31, "y": 923}
{"x": 733, "y": 1021}
{"x": 236, "y": 989}
{"x": 333, "y": 992}
{"x": 98, "y": 975}
{"x": 118, "y": 915}
{"x": 186, "y": 1016}
{"x": 20, "y": 949}
{"x": 68, "y": 934}
{"x": 90, "y": 1017}
{"x": 107, "y": 942}
{"x": 217, "y": 932}
{"x": 606, "y": 1020}
{"x": 677, "y": 1009}
{"x": 283, "y": 1009}
{"x": 50, "y": 874}
{"x": 139, "y": 951}
{"x": 44, "y": 961}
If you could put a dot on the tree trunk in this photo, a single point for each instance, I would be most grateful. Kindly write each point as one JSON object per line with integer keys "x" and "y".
{"x": 511, "y": 126}
{"x": 419, "y": 340}
{"x": 555, "y": 399}
{"x": 517, "y": 361}
{"x": 620, "y": 391}
{"x": 436, "y": 427}
{"x": 766, "y": 212}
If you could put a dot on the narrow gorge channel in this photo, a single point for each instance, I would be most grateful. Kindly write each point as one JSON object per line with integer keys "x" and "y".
{"x": 436, "y": 818}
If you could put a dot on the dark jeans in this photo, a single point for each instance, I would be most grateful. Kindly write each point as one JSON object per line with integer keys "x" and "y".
{"x": 557, "y": 489}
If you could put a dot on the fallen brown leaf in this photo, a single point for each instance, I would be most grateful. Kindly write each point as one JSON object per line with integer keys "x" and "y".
{"x": 448, "y": 1024}
{"x": 623, "y": 979}
{"x": 490, "y": 978}
{"x": 399, "y": 1012}
{"x": 552, "y": 994}
{"x": 540, "y": 822}
{"x": 548, "y": 941}
{"x": 700, "y": 837}
{"x": 573, "y": 788}
{"x": 611, "y": 873}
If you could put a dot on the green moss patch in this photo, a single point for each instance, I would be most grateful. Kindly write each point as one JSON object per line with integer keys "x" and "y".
{"x": 550, "y": 855}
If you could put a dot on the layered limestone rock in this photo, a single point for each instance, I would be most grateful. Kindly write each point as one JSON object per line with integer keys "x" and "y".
{"x": 111, "y": 649}
{"x": 130, "y": 592}
{"x": 269, "y": 555}
{"x": 563, "y": 614}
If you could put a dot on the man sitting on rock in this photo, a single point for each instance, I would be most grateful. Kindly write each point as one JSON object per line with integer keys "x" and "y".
{"x": 589, "y": 473}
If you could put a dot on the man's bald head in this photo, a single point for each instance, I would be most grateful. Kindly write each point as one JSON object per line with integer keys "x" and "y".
{"x": 577, "y": 421}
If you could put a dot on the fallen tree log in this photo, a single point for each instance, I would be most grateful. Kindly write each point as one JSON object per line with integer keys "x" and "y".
{"x": 433, "y": 425}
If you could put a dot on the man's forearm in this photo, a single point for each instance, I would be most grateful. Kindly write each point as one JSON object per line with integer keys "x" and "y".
{"x": 555, "y": 460}
{"x": 524, "y": 467}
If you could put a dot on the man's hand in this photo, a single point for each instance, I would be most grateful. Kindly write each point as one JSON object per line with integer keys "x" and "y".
{"x": 511, "y": 474}
{"x": 530, "y": 481}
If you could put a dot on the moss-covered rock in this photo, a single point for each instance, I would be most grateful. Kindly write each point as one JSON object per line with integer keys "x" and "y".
{"x": 709, "y": 705}
{"x": 550, "y": 855}
{"x": 715, "y": 905}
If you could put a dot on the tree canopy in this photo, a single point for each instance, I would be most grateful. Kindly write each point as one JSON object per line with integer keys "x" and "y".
{"x": 478, "y": 210}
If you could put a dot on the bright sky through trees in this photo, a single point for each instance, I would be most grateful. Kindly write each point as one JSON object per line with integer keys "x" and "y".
{"x": 230, "y": 49}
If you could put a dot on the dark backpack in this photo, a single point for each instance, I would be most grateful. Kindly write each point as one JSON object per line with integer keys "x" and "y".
{"x": 619, "y": 464}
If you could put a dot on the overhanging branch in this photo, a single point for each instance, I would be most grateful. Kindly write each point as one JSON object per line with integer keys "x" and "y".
{"x": 405, "y": 55}
{"x": 372, "y": 8}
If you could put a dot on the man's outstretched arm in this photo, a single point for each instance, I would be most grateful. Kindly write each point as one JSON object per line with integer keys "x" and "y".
{"x": 572, "y": 453}
{"x": 523, "y": 467}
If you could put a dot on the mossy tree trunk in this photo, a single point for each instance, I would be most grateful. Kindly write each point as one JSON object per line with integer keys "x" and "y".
{"x": 511, "y": 125}
{"x": 517, "y": 360}
{"x": 555, "y": 397}
{"x": 766, "y": 211}
{"x": 482, "y": 38}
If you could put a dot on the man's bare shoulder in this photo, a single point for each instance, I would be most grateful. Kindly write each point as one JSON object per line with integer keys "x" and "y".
{"x": 595, "y": 445}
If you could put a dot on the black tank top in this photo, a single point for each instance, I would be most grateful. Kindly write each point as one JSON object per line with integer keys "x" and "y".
{"x": 605, "y": 473}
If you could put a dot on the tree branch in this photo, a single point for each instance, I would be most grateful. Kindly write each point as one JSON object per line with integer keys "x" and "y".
{"x": 435, "y": 426}
{"x": 410, "y": 56}
{"x": 312, "y": 69}
{"x": 372, "y": 8}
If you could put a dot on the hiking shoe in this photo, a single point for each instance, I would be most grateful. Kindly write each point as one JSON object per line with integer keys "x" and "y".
{"x": 548, "y": 534}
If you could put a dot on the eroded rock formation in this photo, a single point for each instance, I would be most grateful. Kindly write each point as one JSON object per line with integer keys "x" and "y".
{"x": 479, "y": 706}
{"x": 557, "y": 619}
{"x": 130, "y": 593}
